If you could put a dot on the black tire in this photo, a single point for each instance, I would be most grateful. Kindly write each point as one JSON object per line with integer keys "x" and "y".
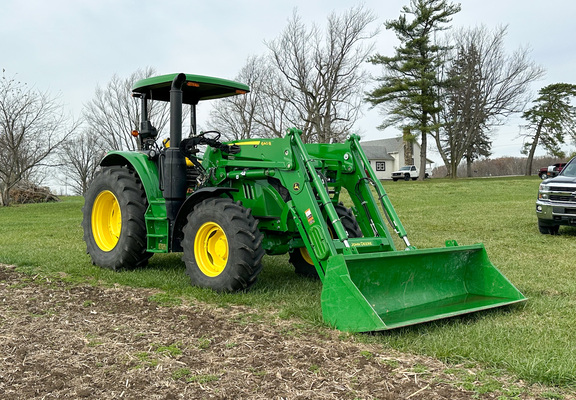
{"x": 407, "y": 177}
{"x": 116, "y": 241}
{"x": 543, "y": 175}
{"x": 300, "y": 258}
{"x": 394, "y": 179}
{"x": 546, "y": 229}
{"x": 222, "y": 246}
{"x": 414, "y": 179}
{"x": 348, "y": 221}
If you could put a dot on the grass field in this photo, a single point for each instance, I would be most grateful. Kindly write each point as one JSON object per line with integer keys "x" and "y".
{"x": 535, "y": 341}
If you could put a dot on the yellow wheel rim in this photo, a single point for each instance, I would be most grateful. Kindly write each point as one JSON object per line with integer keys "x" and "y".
{"x": 306, "y": 256}
{"x": 106, "y": 220}
{"x": 211, "y": 249}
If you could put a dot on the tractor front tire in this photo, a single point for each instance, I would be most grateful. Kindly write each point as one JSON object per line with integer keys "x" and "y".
{"x": 222, "y": 246}
{"x": 113, "y": 220}
{"x": 300, "y": 258}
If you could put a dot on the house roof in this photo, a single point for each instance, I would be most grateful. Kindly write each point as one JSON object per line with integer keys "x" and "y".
{"x": 377, "y": 153}
{"x": 391, "y": 144}
{"x": 381, "y": 149}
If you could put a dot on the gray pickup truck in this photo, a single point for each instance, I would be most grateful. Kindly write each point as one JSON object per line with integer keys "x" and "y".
{"x": 556, "y": 203}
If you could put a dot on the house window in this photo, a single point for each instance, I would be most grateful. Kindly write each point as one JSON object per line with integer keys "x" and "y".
{"x": 380, "y": 166}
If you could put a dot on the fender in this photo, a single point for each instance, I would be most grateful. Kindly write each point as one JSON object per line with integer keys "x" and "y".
{"x": 157, "y": 224}
{"x": 146, "y": 169}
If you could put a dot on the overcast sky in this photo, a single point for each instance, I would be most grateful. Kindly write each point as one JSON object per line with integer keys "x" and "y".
{"x": 69, "y": 46}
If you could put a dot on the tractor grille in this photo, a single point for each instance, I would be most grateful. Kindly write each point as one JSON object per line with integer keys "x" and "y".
{"x": 248, "y": 191}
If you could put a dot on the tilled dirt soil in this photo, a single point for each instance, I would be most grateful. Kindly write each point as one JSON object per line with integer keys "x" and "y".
{"x": 59, "y": 340}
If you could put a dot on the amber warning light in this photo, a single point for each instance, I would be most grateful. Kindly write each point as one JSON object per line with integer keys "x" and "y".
{"x": 193, "y": 84}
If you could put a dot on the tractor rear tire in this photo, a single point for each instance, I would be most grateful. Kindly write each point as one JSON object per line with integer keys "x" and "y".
{"x": 300, "y": 258}
{"x": 222, "y": 246}
{"x": 113, "y": 220}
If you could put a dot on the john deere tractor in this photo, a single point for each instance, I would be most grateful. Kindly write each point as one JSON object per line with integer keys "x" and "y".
{"x": 242, "y": 199}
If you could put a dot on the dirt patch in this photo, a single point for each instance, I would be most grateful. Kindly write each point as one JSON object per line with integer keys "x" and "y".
{"x": 59, "y": 340}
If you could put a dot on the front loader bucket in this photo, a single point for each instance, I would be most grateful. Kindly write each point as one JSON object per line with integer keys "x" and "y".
{"x": 386, "y": 290}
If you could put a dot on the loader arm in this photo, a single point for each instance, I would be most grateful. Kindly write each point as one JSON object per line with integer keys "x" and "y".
{"x": 387, "y": 207}
{"x": 367, "y": 284}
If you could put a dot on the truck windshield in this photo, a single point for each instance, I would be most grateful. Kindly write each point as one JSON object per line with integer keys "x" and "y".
{"x": 569, "y": 169}
{"x": 407, "y": 168}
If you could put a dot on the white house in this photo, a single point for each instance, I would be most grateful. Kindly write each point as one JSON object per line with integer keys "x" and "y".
{"x": 387, "y": 155}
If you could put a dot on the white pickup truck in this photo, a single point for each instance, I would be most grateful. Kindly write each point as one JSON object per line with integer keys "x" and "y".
{"x": 408, "y": 172}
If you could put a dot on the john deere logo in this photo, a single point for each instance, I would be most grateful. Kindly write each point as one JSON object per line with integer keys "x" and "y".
{"x": 296, "y": 186}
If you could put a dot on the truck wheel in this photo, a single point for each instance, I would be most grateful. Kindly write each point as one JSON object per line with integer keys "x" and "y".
{"x": 407, "y": 177}
{"x": 222, "y": 246}
{"x": 394, "y": 179}
{"x": 543, "y": 175}
{"x": 113, "y": 220}
{"x": 300, "y": 258}
{"x": 548, "y": 229}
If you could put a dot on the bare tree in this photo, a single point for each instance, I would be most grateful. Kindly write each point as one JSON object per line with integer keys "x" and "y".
{"x": 81, "y": 156}
{"x": 236, "y": 116}
{"x": 311, "y": 80}
{"x": 113, "y": 113}
{"x": 490, "y": 86}
{"x": 32, "y": 126}
{"x": 276, "y": 111}
{"x": 319, "y": 76}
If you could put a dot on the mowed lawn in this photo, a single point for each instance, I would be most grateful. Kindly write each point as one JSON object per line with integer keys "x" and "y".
{"x": 535, "y": 341}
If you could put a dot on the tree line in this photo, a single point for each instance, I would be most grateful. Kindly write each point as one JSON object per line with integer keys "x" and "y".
{"x": 448, "y": 88}
{"x": 501, "y": 166}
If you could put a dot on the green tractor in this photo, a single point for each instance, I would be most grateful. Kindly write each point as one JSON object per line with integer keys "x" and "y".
{"x": 242, "y": 199}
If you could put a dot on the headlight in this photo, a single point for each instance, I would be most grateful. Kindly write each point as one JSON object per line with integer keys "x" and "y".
{"x": 543, "y": 191}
